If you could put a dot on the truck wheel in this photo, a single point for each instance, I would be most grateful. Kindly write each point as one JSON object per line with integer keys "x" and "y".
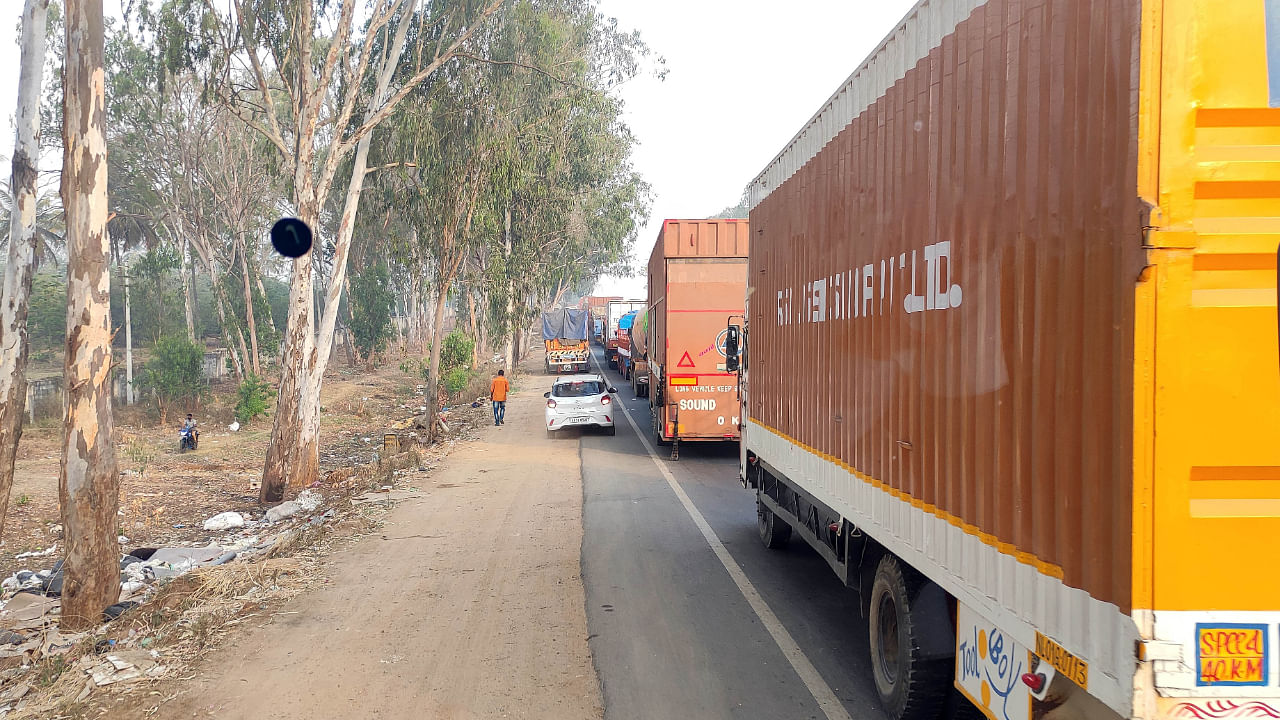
{"x": 774, "y": 531}
{"x": 911, "y": 687}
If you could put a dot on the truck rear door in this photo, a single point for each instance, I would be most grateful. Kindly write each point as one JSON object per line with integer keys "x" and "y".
{"x": 702, "y": 294}
{"x": 1207, "y": 505}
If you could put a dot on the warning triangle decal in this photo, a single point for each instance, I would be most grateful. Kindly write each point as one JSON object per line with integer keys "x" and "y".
{"x": 685, "y": 360}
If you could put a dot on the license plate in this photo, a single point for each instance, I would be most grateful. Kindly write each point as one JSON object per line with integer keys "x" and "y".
{"x": 989, "y": 667}
{"x": 576, "y": 420}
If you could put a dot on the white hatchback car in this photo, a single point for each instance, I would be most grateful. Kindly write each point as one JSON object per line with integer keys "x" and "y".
{"x": 578, "y": 400}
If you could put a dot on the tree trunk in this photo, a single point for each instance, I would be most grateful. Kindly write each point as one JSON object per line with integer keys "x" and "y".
{"x": 509, "y": 353}
{"x": 293, "y": 455}
{"x": 88, "y": 485}
{"x": 195, "y": 296}
{"x": 248, "y": 308}
{"x": 475, "y": 330}
{"x": 433, "y": 373}
{"x": 15, "y": 297}
{"x": 188, "y": 291}
{"x": 262, "y": 290}
{"x": 128, "y": 341}
{"x": 412, "y": 311}
{"x": 220, "y": 302}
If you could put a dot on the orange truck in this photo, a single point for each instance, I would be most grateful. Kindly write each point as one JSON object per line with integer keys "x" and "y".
{"x": 697, "y": 283}
{"x": 564, "y": 334}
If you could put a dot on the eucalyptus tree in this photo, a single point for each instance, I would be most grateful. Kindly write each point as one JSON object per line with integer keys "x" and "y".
{"x": 568, "y": 198}
{"x": 19, "y": 270}
{"x": 88, "y": 485}
{"x": 317, "y": 85}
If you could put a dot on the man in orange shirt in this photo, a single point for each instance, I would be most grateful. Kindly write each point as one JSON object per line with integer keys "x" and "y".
{"x": 498, "y": 394}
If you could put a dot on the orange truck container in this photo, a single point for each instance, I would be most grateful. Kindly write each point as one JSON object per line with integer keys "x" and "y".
{"x": 1011, "y": 355}
{"x": 697, "y": 283}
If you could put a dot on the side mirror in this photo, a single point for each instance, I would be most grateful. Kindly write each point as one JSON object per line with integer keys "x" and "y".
{"x": 732, "y": 341}
{"x": 613, "y": 389}
{"x": 546, "y": 394}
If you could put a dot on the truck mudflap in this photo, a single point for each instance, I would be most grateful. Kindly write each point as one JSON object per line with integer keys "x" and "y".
{"x": 990, "y": 667}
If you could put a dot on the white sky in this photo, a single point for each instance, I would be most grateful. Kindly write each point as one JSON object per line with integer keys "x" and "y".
{"x": 743, "y": 76}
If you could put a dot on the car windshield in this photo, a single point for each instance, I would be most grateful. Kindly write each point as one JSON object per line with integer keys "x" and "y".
{"x": 586, "y": 388}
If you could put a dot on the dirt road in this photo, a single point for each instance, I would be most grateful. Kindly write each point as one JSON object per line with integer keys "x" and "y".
{"x": 469, "y": 603}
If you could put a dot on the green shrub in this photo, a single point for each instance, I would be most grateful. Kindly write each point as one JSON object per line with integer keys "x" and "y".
{"x": 456, "y": 380}
{"x": 253, "y": 398}
{"x": 174, "y": 373}
{"x": 456, "y": 352}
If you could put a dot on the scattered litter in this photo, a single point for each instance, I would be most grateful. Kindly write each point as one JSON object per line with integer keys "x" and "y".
{"x": 126, "y": 666}
{"x": 309, "y": 500}
{"x": 286, "y": 509}
{"x": 234, "y": 426}
{"x": 224, "y": 521}
{"x": 117, "y": 610}
{"x": 37, "y": 553}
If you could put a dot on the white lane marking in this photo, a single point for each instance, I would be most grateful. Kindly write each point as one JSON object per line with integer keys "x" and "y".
{"x": 821, "y": 691}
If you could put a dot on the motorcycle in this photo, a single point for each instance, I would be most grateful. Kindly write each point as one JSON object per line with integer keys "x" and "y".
{"x": 190, "y": 439}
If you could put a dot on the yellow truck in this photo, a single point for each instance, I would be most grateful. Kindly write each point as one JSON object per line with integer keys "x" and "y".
{"x": 1010, "y": 362}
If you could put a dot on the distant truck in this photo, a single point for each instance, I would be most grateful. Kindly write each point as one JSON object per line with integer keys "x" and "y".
{"x": 1010, "y": 361}
{"x": 614, "y": 311}
{"x": 564, "y": 334}
{"x": 598, "y": 305}
{"x": 637, "y": 369}
{"x": 697, "y": 284}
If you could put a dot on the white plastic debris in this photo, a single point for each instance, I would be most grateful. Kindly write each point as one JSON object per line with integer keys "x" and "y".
{"x": 284, "y": 510}
{"x": 224, "y": 521}
{"x": 309, "y": 500}
{"x": 234, "y": 426}
{"x": 38, "y": 553}
{"x": 129, "y": 588}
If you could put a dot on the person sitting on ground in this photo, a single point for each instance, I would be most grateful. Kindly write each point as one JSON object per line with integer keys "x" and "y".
{"x": 498, "y": 394}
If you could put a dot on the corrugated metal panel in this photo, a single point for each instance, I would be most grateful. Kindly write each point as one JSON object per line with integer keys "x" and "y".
{"x": 702, "y": 238}
{"x": 942, "y": 297}
{"x": 919, "y": 31}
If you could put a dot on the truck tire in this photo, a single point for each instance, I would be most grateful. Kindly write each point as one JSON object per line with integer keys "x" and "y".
{"x": 774, "y": 531}
{"x": 910, "y": 686}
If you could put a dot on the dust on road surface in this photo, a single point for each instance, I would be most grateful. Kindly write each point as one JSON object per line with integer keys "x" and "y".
{"x": 469, "y": 603}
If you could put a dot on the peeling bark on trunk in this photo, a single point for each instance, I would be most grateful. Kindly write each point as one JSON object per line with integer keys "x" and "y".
{"x": 294, "y": 453}
{"x": 88, "y": 485}
{"x": 15, "y": 296}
